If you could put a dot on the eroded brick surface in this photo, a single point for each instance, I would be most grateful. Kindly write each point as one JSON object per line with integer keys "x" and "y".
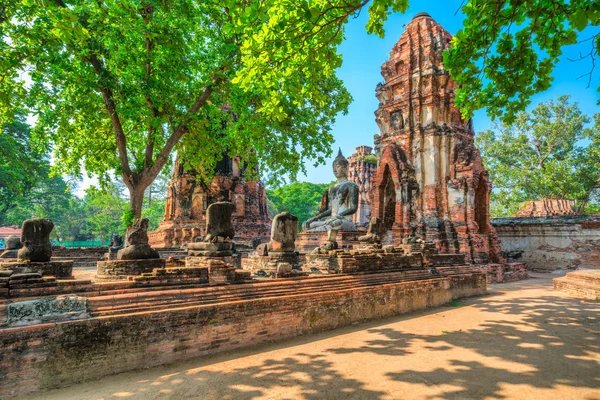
{"x": 430, "y": 180}
{"x": 188, "y": 199}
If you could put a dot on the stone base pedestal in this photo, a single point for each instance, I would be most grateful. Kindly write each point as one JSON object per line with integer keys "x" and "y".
{"x": 272, "y": 263}
{"x": 59, "y": 269}
{"x": 9, "y": 253}
{"x": 234, "y": 259}
{"x": 321, "y": 264}
{"x": 362, "y": 260}
{"x": 122, "y": 269}
{"x": 308, "y": 241}
{"x": 500, "y": 273}
{"x": 221, "y": 270}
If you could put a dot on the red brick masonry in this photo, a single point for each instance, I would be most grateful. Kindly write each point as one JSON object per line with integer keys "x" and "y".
{"x": 583, "y": 284}
{"x": 135, "y": 330}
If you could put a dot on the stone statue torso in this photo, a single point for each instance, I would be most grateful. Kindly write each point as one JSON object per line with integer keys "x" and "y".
{"x": 340, "y": 198}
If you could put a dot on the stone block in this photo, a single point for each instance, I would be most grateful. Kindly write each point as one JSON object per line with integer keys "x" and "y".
{"x": 60, "y": 269}
{"x": 121, "y": 269}
{"x": 37, "y": 311}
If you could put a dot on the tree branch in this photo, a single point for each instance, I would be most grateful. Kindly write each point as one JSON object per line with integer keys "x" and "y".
{"x": 182, "y": 129}
{"x": 114, "y": 118}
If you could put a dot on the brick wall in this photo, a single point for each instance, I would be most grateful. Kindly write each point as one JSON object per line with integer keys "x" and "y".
{"x": 551, "y": 243}
{"x": 53, "y": 355}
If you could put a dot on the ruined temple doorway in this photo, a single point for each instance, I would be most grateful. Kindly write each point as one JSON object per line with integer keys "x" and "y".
{"x": 389, "y": 201}
{"x": 481, "y": 207}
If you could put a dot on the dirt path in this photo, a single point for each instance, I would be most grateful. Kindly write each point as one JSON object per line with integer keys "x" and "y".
{"x": 522, "y": 341}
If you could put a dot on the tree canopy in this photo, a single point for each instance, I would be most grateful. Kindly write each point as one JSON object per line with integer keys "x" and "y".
{"x": 22, "y": 166}
{"x": 548, "y": 153}
{"x": 507, "y": 50}
{"x": 116, "y": 85}
{"x": 303, "y": 199}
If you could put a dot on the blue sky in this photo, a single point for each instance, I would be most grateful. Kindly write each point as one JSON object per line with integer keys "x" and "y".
{"x": 363, "y": 55}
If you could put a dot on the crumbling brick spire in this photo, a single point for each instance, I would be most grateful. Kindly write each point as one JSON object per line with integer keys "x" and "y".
{"x": 430, "y": 180}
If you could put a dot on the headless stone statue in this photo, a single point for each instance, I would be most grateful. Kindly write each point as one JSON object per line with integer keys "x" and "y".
{"x": 342, "y": 202}
{"x": 136, "y": 241}
{"x": 283, "y": 232}
{"x": 116, "y": 244}
{"x": 35, "y": 237}
{"x": 218, "y": 221}
{"x": 13, "y": 244}
{"x": 219, "y": 232}
{"x": 372, "y": 235}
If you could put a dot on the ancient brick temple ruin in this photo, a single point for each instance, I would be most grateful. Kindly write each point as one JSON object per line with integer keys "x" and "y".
{"x": 430, "y": 180}
{"x": 546, "y": 208}
{"x": 188, "y": 198}
{"x": 361, "y": 170}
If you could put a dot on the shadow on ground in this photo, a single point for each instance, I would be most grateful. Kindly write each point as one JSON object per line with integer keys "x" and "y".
{"x": 556, "y": 342}
{"x": 529, "y": 338}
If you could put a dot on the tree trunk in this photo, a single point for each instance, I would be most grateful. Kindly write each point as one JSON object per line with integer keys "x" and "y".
{"x": 136, "y": 199}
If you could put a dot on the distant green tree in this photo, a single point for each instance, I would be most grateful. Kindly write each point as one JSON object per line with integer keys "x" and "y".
{"x": 302, "y": 199}
{"x": 104, "y": 209}
{"x": 546, "y": 153}
{"x": 22, "y": 165}
{"x": 49, "y": 197}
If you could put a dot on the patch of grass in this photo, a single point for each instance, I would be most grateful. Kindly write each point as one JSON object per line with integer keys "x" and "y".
{"x": 445, "y": 331}
{"x": 456, "y": 303}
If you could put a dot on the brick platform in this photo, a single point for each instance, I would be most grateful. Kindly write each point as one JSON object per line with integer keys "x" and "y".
{"x": 308, "y": 241}
{"x": 583, "y": 284}
{"x": 135, "y": 330}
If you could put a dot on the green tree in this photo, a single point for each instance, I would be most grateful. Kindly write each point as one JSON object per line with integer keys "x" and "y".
{"x": 302, "y": 199}
{"x": 546, "y": 153}
{"x": 117, "y": 85}
{"x": 21, "y": 165}
{"x": 104, "y": 208}
{"x": 506, "y": 50}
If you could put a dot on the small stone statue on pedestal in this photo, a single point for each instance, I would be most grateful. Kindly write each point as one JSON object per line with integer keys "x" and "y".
{"x": 133, "y": 260}
{"x": 372, "y": 237}
{"x": 219, "y": 232}
{"x": 217, "y": 251}
{"x": 278, "y": 258}
{"x": 136, "y": 243}
{"x": 13, "y": 244}
{"x": 35, "y": 237}
{"x": 116, "y": 244}
{"x": 35, "y": 254}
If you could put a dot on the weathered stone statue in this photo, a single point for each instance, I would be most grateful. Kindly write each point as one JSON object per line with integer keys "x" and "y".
{"x": 219, "y": 232}
{"x": 372, "y": 235}
{"x": 283, "y": 232}
{"x": 218, "y": 221}
{"x": 13, "y": 244}
{"x": 136, "y": 243}
{"x": 278, "y": 258}
{"x": 35, "y": 236}
{"x": 116, "y": 244}
{"x": 342, "y": 202}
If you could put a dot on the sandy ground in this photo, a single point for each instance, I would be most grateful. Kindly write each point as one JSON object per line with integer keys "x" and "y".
{"x": 522, "y": 341}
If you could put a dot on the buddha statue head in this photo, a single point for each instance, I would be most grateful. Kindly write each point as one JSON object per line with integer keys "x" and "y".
{"x": 340, "y": 166}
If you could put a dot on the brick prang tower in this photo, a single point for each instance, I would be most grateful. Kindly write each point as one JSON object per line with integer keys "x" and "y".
{"x": 430, "y": 180}
{"x": 188, "y": 198}
{"x": 361, "y": 170}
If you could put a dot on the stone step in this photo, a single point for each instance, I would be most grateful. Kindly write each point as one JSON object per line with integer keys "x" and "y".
{"x": 287, "y": 285}
{"x": 579, "y": 288}
{"x": 98, "y": 307}
{"x": 590, "y": 276}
